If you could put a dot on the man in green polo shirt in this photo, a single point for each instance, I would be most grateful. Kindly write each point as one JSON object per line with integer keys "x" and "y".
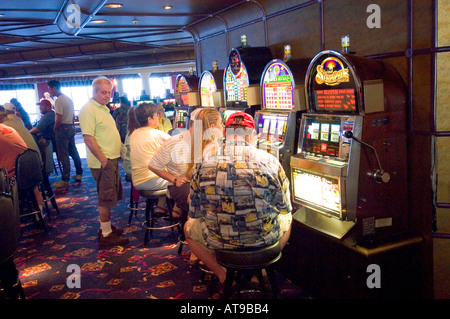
{"x": 103, "y": 145}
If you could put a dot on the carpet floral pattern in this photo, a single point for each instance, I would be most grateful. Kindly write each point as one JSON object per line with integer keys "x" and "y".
{"x": 156, "y": 271}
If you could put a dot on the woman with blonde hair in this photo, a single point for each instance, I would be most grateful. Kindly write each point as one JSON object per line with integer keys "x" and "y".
{"x": 175, "y": 159}
{"x": 164, "y": 123}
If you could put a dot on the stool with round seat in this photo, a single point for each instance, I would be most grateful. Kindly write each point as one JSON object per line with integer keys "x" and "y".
{"x": 133, "y": 204}
{"x": 151, "y": 201}
{"x": 241, "y": 264}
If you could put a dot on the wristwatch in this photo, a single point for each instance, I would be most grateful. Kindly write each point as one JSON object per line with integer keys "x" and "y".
{"x": 175, "y": 180}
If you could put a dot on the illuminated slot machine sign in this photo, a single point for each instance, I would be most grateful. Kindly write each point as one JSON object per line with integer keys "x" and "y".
{"x": 181, "y": 90}
{"x": 336, "y": 165}
{"x": 210, "y": 82}
{"x": 236, "y": 81}
{"x": 207, "y": 87}
{"x": 278, "y": 87}
{"x": 183, "y": 86}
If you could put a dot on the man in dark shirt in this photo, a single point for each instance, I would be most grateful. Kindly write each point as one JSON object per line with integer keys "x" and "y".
{"x": 44, "y": 128}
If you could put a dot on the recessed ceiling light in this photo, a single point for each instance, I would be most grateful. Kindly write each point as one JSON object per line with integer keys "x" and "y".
{"x": 114, "y": 5}
{"x": 167, "y": 7}
{"x": 2, "y": 15}
{"x": 98, "y": 21}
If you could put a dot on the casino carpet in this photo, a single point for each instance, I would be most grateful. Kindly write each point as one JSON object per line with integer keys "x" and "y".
{"x": 133, "y": 271}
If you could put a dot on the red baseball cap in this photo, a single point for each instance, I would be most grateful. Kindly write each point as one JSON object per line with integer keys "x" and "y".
{"x": 242, "y": 119}
{"x": 44, "y": 101}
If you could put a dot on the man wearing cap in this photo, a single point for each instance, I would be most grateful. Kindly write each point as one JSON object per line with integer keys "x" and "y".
{"x": 44, "y": 128}
{"x": 239, "y": 195}
{"x": 65, "y": 135}
{"x": 9, "y": 113}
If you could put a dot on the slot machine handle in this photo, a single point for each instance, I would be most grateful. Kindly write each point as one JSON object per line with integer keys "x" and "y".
{"x": 380, "y": 176}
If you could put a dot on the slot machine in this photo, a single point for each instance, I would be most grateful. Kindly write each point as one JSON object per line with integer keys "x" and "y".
{"x": 349, "y": 181}
{"x": 184, "y": 85}
{"x": 241, "y": 79}
{"x": 211, "y": 84}
{"x": 283, "y": 101}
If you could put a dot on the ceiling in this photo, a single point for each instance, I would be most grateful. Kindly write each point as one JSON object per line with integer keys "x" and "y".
{"x": 59, "y": 37}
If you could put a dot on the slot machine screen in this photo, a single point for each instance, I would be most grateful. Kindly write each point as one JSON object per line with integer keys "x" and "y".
{"x": 272, "y": 127}
{"x": 318, "y": 191}
{"x": 207, "y": 88}
{"x": 321, "y": 136}
{"x": 180, "y": 118}
{"x": 278, "y": 87}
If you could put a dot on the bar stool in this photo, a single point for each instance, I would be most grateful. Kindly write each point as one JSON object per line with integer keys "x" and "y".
{"x": 151, "y": 200}
{"x": 241, "y": 264}
{"x": 29, "y": 176}
{"x": 133, "y": 205}
{"x": 45, "y": 147}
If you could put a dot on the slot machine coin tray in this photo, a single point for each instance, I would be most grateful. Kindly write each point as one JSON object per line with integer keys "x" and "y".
{"x": 328, "y": 225}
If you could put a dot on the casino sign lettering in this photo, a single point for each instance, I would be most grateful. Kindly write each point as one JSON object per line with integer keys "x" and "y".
{"x": 332, "y": 72}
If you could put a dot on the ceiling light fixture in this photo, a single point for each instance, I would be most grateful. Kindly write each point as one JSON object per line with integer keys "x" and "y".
{"x": 98, "y": 21}
{"x": 167, "y": 7}
{"x": 114, "y": 5}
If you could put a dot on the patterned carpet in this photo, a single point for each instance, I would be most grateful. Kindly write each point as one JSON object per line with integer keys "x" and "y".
{"x": 134, "y": 271}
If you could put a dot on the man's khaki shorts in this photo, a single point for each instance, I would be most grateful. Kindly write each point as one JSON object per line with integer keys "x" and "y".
{"x": 109, "y": 184}
{"x": 194, "y": 231}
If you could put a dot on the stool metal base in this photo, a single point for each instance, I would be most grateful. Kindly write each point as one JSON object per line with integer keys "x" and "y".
{"x": 242, "y": 264}
{"x": 150, "y": 218}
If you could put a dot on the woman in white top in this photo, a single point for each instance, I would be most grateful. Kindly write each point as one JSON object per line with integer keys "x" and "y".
{"x": 144, "y": 142}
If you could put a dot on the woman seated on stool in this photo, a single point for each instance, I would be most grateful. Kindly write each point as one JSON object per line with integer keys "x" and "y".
{"x": 165, "y": 124}
{"x": 131, "y": 127}
{"x": 144, "y": 142}
{"x": 239, "y": 197}
{"x": 175, "y": 159}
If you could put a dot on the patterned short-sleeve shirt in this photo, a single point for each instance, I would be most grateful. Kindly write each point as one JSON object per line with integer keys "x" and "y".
{"x": 240, "y": 197}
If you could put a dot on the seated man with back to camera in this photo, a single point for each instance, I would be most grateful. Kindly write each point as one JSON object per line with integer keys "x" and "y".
{"x": 239, "y": 197}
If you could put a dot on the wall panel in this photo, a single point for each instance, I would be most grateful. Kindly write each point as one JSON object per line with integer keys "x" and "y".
{"x": 213, "y": 49}
{"x": 300, "y": 29}
{"x": 349, "y": 17}
{"x": 422, "y": 92}
{"x": 443, "y": 92}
